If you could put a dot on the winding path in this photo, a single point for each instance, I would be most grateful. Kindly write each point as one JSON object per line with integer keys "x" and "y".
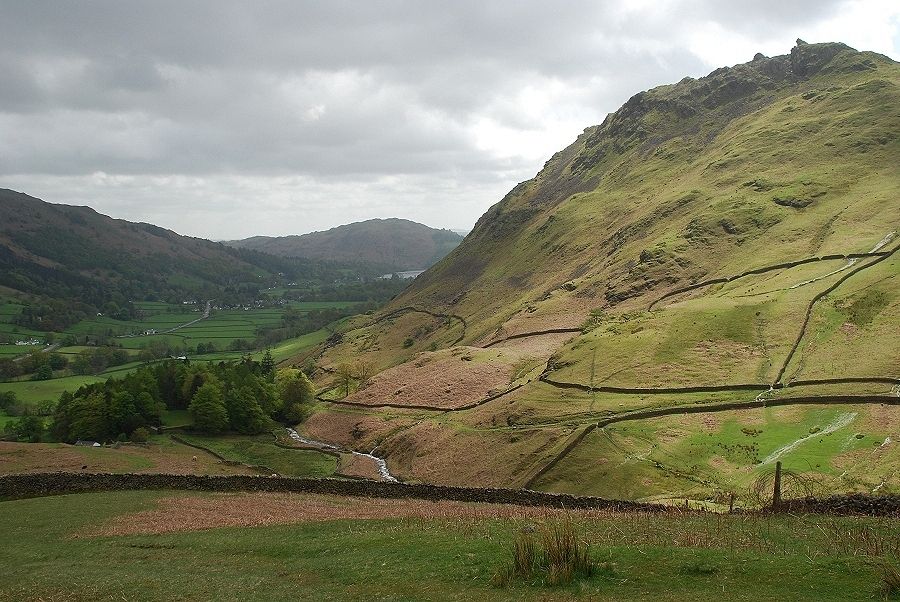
{"x": 536, "y": 333}
{"x": 411, "y": 309}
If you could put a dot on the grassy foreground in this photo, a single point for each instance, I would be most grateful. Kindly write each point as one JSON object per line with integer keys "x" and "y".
{"x": 48, "y": 553}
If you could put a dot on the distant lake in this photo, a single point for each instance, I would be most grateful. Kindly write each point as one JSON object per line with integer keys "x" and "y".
{"x": 403, "y": 275}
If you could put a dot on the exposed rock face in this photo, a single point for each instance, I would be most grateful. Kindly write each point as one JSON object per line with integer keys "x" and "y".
{"x": 722, "y": 86}
{"x": 807, "y": 59}
{"x": 794, "y": 202}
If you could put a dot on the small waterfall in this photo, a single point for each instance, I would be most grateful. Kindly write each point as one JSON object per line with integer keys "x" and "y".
{"x": 382, "y": 465}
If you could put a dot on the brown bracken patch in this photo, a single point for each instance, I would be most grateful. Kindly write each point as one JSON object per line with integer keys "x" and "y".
{"x": 440, "y": 380}
{"x": 360, "y": 467}
{"x": 170, "y": 457}
{"x": 200, "y": 512}
{"x": 539, "y": 346}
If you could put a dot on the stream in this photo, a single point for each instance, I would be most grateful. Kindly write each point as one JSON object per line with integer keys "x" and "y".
{"x": 840, "y": 422}
{"x": 382, "y": 465}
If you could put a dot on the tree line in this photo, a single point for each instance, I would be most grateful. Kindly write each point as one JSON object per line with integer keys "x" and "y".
{"x": 246, "y": 397}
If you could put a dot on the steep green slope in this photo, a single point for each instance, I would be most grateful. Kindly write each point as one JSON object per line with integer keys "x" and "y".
{"x": 777, "y": 159}
{"x": 713, "y": 246}
{"x": 391, "y": 244}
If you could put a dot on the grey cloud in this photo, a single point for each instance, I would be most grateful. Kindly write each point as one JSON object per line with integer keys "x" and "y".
{"x": 339, "y": 93}
{"x": 763, "y": 16}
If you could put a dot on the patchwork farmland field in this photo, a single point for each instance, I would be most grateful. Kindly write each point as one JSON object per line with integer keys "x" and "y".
{"x": 221, "y": 329}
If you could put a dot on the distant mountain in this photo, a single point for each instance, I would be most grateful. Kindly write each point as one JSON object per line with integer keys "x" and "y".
{"x": 391, "y": 244}
{"x": 74, "y": 257}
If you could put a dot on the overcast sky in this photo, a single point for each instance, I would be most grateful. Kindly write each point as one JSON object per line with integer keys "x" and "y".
{"x": 229, "y": 119}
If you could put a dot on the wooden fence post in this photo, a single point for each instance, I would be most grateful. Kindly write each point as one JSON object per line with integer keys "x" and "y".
{"x": 776, "y": 496}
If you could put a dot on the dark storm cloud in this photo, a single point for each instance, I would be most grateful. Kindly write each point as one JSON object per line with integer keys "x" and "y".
{"x": 471, "y": 96}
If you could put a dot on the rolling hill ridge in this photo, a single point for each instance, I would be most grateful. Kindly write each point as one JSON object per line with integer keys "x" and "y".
{"x": 84, "y": 260}
{"x": 390, "y": 244}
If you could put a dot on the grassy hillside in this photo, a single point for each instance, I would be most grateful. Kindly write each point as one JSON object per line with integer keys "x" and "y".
{"x": 709, "y": 240}
{"x": 391, "y": 244}
{"x": 764, "y": 162}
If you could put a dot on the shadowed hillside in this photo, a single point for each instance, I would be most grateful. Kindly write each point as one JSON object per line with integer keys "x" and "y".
{"x": 88, "y": 261}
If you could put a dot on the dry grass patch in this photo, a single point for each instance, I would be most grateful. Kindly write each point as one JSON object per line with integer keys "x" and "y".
{"x": 200, "y": 512}
{"x": 441, "y": 380}
{"x": 882, "y": 418}
{"x": 543, "y": 345}
{"x": 170, "y": 458}
{"x": 360, "y": 467}
{"x": 446, "y": 455}
{"x": 354, "y": 429}
{"x": 561, "y": 310}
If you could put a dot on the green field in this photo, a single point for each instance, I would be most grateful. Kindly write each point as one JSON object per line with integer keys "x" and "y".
{"x": 14, "y": 350}
{"x": 15, "y": 331}
{"x": 311, "y": 305}
{"x": 222, "y": 329}
{"x": 8, "y": 309}
{"x": 293, "y": 347}
{"x": 48, "y": 553}
{"x": 47, "y": 390}
{"x": 710, "y": 456}
{"x": 261, "y": 450}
